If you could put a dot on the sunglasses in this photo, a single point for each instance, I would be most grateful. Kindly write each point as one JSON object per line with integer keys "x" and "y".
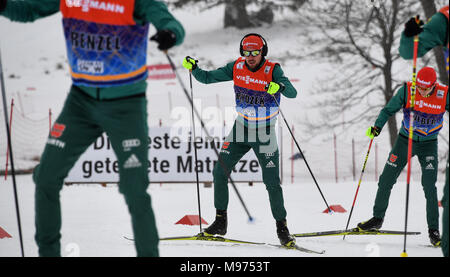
{"x": 254, "y": 53}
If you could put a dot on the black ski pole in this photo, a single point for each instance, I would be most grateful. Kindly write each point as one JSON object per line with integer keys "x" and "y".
{"x": 195, "y": 154}
{"x": 298, "y": 146}
{"x": 13, "y": 175}
{"x": 250, "y": 218}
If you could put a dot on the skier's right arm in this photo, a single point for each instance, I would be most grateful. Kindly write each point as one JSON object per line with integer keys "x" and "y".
{"x": 28, "y": 10}
{"x": 221, "y": 74}
{"x": 394, "y": 105}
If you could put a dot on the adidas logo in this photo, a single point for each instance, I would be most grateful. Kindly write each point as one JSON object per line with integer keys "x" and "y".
{"x": 430, "y": 167}
{"x": 132, "y": 162}
{"x": 270, "y": 164}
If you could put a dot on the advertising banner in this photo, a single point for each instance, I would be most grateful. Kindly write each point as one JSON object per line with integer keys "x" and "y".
{"x": 171, "y": 159}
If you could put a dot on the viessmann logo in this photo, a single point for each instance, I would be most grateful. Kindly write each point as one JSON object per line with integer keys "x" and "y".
{"x": 95, "y": 4}
{"x": 422, "y": 104}
{"x": 249, "y": 80}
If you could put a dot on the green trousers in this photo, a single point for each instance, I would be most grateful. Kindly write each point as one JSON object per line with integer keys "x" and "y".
{"x": 82, "y": 120}
{"x": 426, "y": 151}
{"x": 264, "y": 144}
{"x": 444, "y": 243}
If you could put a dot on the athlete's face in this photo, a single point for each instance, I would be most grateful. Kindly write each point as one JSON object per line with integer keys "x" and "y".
{"x": 425, "y": 92}
{"x": 253, "y": 61}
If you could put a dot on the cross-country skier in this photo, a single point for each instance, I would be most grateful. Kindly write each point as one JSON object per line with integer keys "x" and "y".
{"x": 107, "y": 47}
{"x": 257, "y": 83}
{"x": 431, "y": 103}
{"x": 434, "y": 33}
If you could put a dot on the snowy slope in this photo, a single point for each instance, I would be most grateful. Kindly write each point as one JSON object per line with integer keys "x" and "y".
{"x": 95, "y": 218}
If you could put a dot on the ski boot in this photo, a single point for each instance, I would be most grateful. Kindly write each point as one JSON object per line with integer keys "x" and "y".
{"x": 373, "y": 224}
{"x": 286, "y": 239}
{"x": 435, "y": 237}
{"x": 219, "y": 226}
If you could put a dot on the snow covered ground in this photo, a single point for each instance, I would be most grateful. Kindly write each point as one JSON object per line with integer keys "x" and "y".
{"x": 95, "y": 218}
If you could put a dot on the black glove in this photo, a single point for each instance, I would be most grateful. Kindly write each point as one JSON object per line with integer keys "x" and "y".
{"x": 413, "y": 26}
{"x": 165, "y": 38}
{"x": 2, "y": 5}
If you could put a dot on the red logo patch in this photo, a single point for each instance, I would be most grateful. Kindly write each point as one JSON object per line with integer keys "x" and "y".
{"x": 225, "y": 145}
{"x": 57, "y": 130}
{"x": 393, "y": 158}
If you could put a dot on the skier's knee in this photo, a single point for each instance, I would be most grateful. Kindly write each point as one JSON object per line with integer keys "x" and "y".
{"x": 35, "y": 174}
{"x": 45, "y": 178}
{"x": 273, "y": 188}
{"x": 219, "y": 173}
{"x": 138, "y": 203}
{"x": 272, "y": 182}
{"x": 430, "y": 191}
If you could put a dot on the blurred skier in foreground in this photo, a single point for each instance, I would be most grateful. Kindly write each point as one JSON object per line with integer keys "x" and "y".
{"x": 107, "y": 49}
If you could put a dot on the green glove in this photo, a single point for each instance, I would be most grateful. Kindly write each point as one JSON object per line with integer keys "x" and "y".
{"x": 372, "y": 132}
{"x": 272, "y": 88}
{"x": 189, "y": 63}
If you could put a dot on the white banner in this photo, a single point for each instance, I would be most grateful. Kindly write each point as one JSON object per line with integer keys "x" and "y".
{"x": 171, "y": 159}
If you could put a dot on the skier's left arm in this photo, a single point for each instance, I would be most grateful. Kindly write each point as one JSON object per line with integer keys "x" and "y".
{"x": 286, "y": 88}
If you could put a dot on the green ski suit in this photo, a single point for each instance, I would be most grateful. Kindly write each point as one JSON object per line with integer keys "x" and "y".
{"x": 119, "y": 109}
{"x": 425, "y": 148}
{"x": 244, "y": 136}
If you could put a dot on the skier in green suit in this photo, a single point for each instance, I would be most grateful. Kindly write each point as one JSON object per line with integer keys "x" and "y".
{"x": 107, "y": 48}
{"x": 433, "y": 33}
{"x": 258, "y": 86}
{"x": 432, "y": 100}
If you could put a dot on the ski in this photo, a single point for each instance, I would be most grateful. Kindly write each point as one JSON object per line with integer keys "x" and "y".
{"x": 430, "y": 246}
{"x": 297, "y": 247}
{"x": 202, "y": 237}
{"x": 354, "y": 231}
